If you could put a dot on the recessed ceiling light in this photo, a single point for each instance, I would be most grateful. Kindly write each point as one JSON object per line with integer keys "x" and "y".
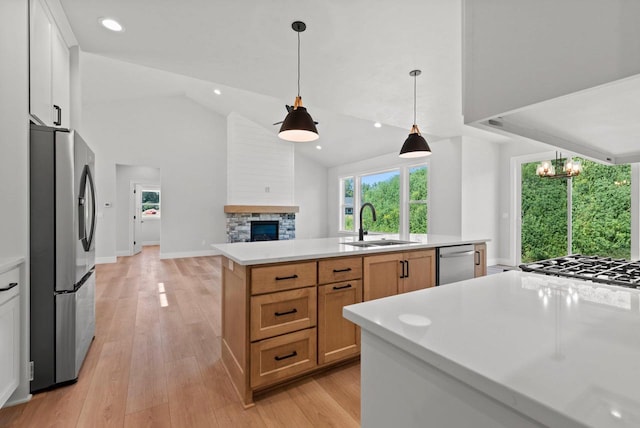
{"x": 377, "y": 125}
{"x": 319, "y": 147}
{"x": 111, "y": 24}
{"x": 217, "y": 91}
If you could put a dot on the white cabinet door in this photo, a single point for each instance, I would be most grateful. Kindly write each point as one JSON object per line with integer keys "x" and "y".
{"x": 60, "y": 80}
{"x": 40, "y": 63}
{"x": 9, "y": 335}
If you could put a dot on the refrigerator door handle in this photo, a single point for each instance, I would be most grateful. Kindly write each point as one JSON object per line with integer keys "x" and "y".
{"x": 86, "y": 209}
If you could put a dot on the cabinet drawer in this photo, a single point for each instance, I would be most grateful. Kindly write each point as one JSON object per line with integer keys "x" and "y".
{"x": 278, "y": 313}
{"x": 278, "y": 358}
{"x": 339, "y": 270}
{"x": 282, "y": 277}
{"x": 6, "y": 280}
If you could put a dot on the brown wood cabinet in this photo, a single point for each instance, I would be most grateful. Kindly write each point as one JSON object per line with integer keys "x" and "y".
{"x": 269, "y": 318}
{"x": 480, "y": 260}
{"x": 394, "y": 273}
{"x": 338, "y": 338}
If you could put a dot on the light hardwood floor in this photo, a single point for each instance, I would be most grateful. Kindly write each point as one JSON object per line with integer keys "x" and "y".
{"x": 155, "y": 361}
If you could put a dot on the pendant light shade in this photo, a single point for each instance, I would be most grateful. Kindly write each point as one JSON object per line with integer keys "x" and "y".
{"x": 298, "y": 126}
{"x": 415, "y": 145}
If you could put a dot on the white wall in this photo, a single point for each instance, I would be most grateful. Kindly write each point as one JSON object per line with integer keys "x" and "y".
{"x": 14, "y": 157}
{"x": 311, "y": 196}
{"x": 188, "y": 144}
{"x": 260, "y": 165}
{"x": 517, "y": 53}
{"x": 480, "y": 192}
{"x": 445, "y": 182}
{"x": 125, "y": 175}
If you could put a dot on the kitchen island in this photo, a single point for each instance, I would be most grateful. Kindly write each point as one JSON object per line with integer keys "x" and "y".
{"x": 282, "y": 300}
{"x": 508, "y": 350}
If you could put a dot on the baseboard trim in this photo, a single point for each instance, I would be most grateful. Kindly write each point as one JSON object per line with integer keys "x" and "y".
{"x": 505, "y": 262}
{"x": 146, "y": 243}
{"x": 183, "y": 254}
{"x": 17, "y": 401}
{"x": 106, "y": 260}
{"x": 123, "y": 253}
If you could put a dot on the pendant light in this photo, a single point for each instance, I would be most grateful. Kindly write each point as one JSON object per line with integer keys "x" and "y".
{"x": 415, "y": 145}
{"x": 298, "y": 126}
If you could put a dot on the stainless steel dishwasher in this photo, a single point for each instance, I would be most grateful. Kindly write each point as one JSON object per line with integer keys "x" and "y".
{"x": 455, "y": 263}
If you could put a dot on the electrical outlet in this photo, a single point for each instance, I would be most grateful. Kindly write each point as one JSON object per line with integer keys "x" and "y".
{"x": 267, "y": 189}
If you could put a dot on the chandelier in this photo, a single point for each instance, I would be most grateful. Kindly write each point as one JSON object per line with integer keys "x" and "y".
{"x": 549, "y": 169}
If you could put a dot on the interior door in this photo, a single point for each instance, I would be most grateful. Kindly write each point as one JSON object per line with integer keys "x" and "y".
{"x": 137, "y": 220}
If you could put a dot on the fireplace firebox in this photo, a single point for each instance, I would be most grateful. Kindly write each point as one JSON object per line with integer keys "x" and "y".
{"x": 265, "y": 230}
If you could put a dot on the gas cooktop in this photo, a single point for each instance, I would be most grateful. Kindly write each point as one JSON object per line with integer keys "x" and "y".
{"x": 605, "y": 270}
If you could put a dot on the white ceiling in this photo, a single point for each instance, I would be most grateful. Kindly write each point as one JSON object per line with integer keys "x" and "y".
{"x": 356, "y": 58}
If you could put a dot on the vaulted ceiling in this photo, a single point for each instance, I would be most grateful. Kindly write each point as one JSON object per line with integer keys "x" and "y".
{"x": 356, "y": 57}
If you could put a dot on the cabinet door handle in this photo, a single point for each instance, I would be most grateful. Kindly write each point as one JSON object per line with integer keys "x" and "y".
{"x": 342, "y": 270}
{"x": 284, "y": 357}
{"x": 342, "y": 287}
{"x": 282, "y": 278}
{"x": 9, "y": 287}
{"x": 406, "y": 262}
{"x": 477, "y": 258}
{"x": 58, "y": 121}
{"x": 402, "y": 263}
{"x": 292, "y": 311}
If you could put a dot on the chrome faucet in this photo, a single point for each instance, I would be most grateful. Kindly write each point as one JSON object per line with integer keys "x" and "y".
{"x": 373, "y": 211}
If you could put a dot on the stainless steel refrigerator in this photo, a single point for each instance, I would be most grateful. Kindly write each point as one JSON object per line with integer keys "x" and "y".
{"x": 62, "y": 262}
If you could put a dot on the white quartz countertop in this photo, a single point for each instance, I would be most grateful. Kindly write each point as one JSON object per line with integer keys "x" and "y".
{"x": 253, "y": 253}
{"x": 564, "y": 352}
{"x": 8, "y": 263}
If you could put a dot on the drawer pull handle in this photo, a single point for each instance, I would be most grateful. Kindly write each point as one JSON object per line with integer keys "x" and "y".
{"x": 9, "y": 287}
{"x": 342, "y": 270}
{"x": 284, "y": 357}
{"x": 292, "y": 311}
{"x": 281, "y": 278}
{"x": 342, "y": 287}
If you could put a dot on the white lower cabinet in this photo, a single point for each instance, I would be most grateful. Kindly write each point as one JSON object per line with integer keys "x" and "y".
{"x": 9, "y": 334}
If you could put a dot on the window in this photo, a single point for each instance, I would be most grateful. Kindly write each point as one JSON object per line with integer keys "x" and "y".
{"x": 346, "y": 206}
{"x": 151, "y": 203}
{"x": 382, "y": 190}
{"x": 399, "y": 196}
{"x": 589, "y": 214}
{"x": 418, "y": 199}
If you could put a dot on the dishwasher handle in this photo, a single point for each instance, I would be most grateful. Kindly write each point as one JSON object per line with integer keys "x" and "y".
{"x": 457, "y": 254}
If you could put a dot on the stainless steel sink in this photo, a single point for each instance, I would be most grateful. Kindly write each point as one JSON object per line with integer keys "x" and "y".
{"x": 378, "y": 243}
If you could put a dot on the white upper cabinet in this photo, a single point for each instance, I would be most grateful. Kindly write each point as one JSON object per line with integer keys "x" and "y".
{"x": 60, "y": 81}
{"x": 49, "y": 69}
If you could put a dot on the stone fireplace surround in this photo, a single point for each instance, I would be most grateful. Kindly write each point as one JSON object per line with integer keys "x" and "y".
{"x": 239, "y": 218}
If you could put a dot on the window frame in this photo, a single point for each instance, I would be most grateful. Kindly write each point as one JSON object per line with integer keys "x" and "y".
{"x": 403, "y": 168}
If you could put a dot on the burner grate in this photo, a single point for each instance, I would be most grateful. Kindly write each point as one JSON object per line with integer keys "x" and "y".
{"x": 604, "y": 270}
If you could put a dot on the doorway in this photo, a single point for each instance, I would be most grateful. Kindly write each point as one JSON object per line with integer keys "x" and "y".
{"x": 138, "y": 209}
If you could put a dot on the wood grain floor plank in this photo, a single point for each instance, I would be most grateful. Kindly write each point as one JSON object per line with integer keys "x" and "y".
{"x": 319, "y": 407}
{"x": 187, "y": 395}
{"x": 106, "y": 398}
{"x": 154, "y": 417}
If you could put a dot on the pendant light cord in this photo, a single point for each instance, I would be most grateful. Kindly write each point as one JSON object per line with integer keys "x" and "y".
{"x": 414, "y": 99}
{"x": 298, "y": 63}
